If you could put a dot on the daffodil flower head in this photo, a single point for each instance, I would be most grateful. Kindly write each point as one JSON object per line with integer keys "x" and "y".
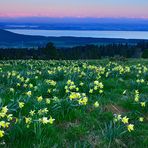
{"x": 130, "y": 127}
{"x": 1, "y": 133}
{"x": 21, "y": 104}
{"x": 39, "y": 99}
{"x": 51, "y": 120}
{"x": 29, "y": 93}
{"x": 125, "y": 120}
{"x": 48, "y": 101}
{"x": 32, "y": 112}
{"x": 141, "y": 119}
{"x": 143, "y": 104}
{"x": 96, "y": 104}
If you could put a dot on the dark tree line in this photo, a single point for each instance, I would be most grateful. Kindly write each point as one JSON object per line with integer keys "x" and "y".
{"x": 79, "y": 52}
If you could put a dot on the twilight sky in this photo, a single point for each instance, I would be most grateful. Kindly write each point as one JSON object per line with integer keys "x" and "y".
{"x": 75, "y": 8}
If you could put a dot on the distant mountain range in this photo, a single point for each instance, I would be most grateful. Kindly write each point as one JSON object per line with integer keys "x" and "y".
{"x": 9, "y": 39}
{"x": 114, "y": 24}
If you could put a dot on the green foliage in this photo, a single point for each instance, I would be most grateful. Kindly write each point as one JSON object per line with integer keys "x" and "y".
{"x": 84, "y": 97}
{"x": 50, "y": 50}
{"x": 145, "y": 53}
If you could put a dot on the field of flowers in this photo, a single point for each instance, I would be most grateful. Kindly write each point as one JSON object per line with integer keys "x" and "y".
{"x": 73, "y": 104}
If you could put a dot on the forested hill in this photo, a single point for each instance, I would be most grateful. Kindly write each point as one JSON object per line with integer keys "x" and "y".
{"x": 9, "y": 39}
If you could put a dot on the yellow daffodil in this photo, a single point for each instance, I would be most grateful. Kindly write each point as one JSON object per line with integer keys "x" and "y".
{"x": 1, "y": 133}
{"x": 74, "y": 95}
{"x": 11, "y": 89}
{"x": 49, "y": 91}
{"x": 91, "y": 91}
{"x": 48, "y": 101}
{"x": 29, "y": 93}
{"x": 32, "y": 112}
{"x": 130, "y": 127}
{"x": 30, "y": 85}
{"x": 96, "y": 104}
{"x": 51, "y": 120}
{"x": 125, "y": 120}
{"x": 143, "y": 104}
{"x": 137, "y": 96}
{"x": 9, "y": 117}
{"x": 100, "y": 91}
{"x": 4, "y": 109}
{"x": 39, "y": 99}
{"x": 45, "y": 120}
{"x": 141, "y": 119}
{"x": 21, "y": 104}
{"x": 4, "y": 124}
{"x": 81, "y": 84}
{"x": 117, "y": 118}
{"x": 28, "y": 120}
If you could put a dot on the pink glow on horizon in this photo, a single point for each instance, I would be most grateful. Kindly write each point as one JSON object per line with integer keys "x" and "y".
{"x": 76, "y": 8}
{"x": 15, "y": 15}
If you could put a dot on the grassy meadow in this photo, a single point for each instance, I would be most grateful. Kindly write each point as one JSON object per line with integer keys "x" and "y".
{"x": 74, "y": 104}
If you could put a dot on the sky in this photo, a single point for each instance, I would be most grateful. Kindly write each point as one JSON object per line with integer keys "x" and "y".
{"x": 74, "y": 8}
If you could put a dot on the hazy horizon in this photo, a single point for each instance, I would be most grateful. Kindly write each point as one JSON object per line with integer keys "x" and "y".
{"x": 77, "y": 8}
{"x": 79, "y": 19}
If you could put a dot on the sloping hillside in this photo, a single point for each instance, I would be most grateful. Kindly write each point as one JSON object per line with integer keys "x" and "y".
{"x": 9, "y": 39}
